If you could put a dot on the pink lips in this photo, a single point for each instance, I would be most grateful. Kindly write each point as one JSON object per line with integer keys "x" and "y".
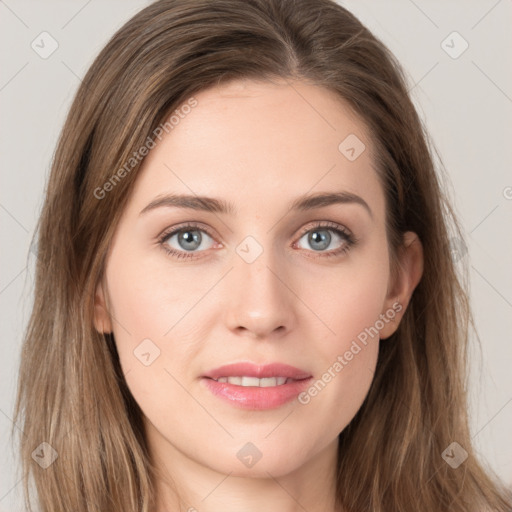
{"x": 252, "y": 397}
{"x": 253, "y": 370}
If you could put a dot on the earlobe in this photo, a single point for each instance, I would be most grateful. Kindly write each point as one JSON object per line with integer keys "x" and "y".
{"x": 410, "y": 271}
{"x": 102, "y": 321}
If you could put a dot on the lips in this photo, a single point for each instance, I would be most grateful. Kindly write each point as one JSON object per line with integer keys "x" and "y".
{"x": 258, "y": 371}
{"x": 249, "y": 386}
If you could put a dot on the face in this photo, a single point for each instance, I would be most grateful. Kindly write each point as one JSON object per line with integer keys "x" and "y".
{"x": 263, "y": 275}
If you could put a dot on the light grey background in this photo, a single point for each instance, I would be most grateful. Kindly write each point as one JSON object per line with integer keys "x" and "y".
{"x": 466, "y": 103}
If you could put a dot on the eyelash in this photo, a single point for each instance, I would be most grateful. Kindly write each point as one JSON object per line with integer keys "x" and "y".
{"x": 350, "y": 239}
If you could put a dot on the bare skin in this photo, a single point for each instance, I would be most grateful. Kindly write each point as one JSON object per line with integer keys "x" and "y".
{"x": 259, "y": 146}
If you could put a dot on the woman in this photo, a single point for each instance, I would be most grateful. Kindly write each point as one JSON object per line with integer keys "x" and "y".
{"x": 245, "y": 296}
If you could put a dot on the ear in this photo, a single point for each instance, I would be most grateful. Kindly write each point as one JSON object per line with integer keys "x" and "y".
{"x": 410, "y": 270}
{"x": 102, "y": 321}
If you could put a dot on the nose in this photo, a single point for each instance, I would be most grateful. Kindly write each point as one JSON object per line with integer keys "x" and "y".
{"x": 260, "y": 302}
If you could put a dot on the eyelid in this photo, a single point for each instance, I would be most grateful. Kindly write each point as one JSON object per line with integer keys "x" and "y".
{"x": 325, "y": 224}
{"x": 167, "y": 232}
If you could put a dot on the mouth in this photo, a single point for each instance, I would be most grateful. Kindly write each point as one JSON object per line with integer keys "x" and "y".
{"x": 249, "y": 386}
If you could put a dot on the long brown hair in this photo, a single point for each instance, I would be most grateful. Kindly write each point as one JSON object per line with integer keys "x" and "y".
{"x": 72, "y": 393}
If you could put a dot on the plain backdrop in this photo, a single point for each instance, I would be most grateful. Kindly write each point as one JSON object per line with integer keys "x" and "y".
{"x": 463, "y": 94}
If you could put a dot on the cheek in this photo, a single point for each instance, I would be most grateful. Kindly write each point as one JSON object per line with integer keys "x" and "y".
{"x": 350, "y": 297}
{"x": 156, "y": 326}
{"x": 146, "y": 307}
{"x": 347, "y": 358}
{"x": 148, "y": 296}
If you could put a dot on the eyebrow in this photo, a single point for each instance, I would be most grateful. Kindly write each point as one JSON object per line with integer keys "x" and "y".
{"x": 214, "y": 205}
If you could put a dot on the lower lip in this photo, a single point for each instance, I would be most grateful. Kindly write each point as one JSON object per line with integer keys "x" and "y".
{"x": 256, "y": 398}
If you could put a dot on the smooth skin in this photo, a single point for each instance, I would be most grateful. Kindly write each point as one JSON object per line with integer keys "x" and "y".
{"x": 259, "y": 146}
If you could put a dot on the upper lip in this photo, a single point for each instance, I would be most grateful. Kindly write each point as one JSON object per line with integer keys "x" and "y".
{"x": 249, "y": 369}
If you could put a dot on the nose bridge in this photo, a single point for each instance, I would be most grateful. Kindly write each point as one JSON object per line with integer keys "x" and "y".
{"x": 259, "y": 299}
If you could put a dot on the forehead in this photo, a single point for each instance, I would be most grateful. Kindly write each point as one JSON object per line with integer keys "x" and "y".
{"x": 247, "y": 140}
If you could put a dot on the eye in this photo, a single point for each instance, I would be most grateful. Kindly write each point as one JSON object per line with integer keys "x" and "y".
{"x": 184, "y": 241}
{"x": 324, "y": 235}
{"x": 187, "y": 240}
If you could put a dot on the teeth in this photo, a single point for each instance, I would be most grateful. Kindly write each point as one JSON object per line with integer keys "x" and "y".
{"x": 249, "y": 381}
{"x": 254, "y": 381}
